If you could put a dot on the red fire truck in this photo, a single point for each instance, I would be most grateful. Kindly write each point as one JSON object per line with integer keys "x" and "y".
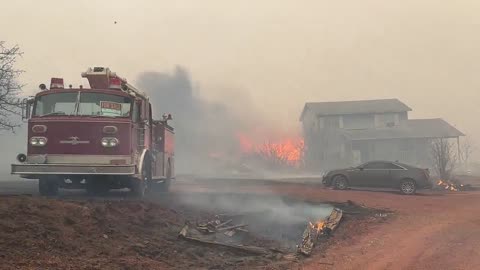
{"x": 99, "y": 138}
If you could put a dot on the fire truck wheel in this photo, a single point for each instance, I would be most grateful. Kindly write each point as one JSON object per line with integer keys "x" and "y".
{"x": 97, "y": 187}
{"x": 47, "y": 186}
{"x": 139, "y": 186}
{"x": 162, "y": 186}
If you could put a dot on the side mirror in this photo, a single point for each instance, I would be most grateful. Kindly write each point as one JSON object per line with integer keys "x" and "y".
{"x": 167, "y": 117}
{"x": 26, "y": 106}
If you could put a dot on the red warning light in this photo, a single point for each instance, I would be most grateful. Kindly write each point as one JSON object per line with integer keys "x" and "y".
{"x": 56, "y": 83}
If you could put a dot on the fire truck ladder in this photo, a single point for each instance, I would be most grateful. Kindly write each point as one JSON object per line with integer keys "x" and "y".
{"x": 100, "y": 77}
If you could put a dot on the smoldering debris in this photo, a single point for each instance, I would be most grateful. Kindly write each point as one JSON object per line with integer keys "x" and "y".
{"x": 262, "y": 224}
{"x": 452, "y": 186}
{"x": 220, "y": 231}
{"x": 317, "y": 229}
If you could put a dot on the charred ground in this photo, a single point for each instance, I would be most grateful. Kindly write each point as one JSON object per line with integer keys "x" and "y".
{"x": 80, "y": 233}
{"x": 380, "y": 230}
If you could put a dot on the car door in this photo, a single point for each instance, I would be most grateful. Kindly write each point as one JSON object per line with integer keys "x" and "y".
{"x": 374, "y": 174}
{"x": 397, "y": 173}
{"x": 358, "y": 176}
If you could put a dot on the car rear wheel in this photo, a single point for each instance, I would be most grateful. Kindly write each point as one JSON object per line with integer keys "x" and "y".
{"x": 408, "y": 187}
{"x": 340, "y": 182}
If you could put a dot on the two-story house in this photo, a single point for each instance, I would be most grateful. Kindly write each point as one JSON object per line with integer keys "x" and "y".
{"x": 339, "y": 134}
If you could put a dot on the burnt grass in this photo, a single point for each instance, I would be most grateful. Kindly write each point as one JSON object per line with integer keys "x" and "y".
{"x": 80, "y": 233}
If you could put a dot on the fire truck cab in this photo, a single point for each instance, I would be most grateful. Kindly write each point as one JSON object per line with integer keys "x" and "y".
{"x": 99, "y": 138}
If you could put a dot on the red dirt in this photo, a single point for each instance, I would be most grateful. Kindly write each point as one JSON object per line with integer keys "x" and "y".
{"x": 431, "y": 230}
{"x": 427, "y": 231}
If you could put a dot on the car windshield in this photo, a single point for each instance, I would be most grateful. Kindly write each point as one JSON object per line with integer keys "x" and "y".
{"x": 87, "y": 104}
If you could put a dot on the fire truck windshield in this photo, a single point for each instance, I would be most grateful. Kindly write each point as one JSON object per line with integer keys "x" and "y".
{"x": 56, "y": 104}
{"x": 95, "y": 104}
{"x": 83, "y": 104}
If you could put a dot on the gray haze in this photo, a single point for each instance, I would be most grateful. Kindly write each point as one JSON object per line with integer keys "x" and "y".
{"x": 279, "y": 53}
{"x": 203, "y": 128}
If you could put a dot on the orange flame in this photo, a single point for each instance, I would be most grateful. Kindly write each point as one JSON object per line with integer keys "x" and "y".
{"x": 289, "y": 150}
{"x": 318, "y": 225}
{"x": 448, "y": 186}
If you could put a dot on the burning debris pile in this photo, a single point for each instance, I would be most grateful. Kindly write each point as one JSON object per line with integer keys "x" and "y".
{"x": 217, "y": 232}
{"x": 320, "y": 228}
{"x": 230, "y": 231}
{"x": 452, "y": 186}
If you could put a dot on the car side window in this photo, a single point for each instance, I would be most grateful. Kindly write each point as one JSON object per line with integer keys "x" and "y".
{"x": 370, "y": 166}
{"x": 377, "y": 166}
{"x": 381, "y": 166}
{"x": 392, "y": 166}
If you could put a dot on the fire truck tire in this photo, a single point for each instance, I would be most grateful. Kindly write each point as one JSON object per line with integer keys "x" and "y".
{"x": 97, "y": 187}
{"x": 47, "y": 186}
{"x": 165, "y": 185}
{"x": 139, "y": 186}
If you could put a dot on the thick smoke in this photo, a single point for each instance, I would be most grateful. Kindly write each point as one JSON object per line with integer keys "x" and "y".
{"x": 203, "y": 129}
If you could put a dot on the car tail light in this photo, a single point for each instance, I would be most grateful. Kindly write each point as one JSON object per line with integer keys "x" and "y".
{"x": 39, "y": 129}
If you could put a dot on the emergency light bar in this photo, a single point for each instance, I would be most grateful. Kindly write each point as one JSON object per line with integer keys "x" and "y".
{"x": 115, "y": 83}
{"x": 104, "y": 78}
{"x": 56, "y": 83}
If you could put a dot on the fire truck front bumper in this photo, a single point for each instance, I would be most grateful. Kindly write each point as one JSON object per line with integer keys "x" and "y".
{"x": 31, "y": 170}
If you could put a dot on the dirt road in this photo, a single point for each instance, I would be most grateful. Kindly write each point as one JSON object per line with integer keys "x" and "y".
{"x": 427, "y": 231}
{"x": 432, "y": 230}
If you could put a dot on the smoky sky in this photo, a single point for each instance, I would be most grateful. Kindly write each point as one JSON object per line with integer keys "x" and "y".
{"x": 202, "y": 128}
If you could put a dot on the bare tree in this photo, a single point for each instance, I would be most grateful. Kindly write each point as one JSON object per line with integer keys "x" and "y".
{"x": 10, "y": 104}
{"x": 444, "y": 157}
{"x": 466, "y": 150}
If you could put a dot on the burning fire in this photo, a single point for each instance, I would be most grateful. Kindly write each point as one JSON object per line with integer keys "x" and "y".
{"x": 449, "y": 186}
{"x": 317, "y": 225}
{"x": 288, "y": 150}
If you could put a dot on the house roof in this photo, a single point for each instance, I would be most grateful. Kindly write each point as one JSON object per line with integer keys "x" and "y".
{"x": 355, "y": 107}
{"x": 417, "y": 128}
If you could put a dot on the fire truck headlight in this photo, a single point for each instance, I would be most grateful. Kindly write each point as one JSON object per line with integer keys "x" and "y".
{"x": 38, "y": 141}
{"x": 110, "y": 142}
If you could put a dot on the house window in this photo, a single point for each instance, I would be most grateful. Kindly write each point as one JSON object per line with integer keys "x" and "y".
{"x": 361, "y": 121}
{"x": 331, "y": 122}
{"x": 387, "y": 120}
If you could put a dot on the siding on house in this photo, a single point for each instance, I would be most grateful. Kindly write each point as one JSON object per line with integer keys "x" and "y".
{"x": 339, "y": 134}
